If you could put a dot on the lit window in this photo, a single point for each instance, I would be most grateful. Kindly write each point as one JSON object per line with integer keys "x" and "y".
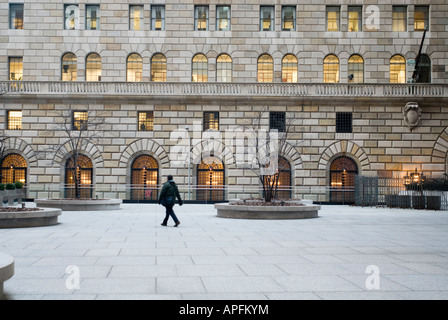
{"x": 16, "y": 16}
{"x": 333, "y": 13}
{"x": 397, "y": 69}
{"x": 134, "y": 68}
{"x": 288, "y": 18}
{"x": 331, "y": 69}
{"x": 267, "y": 18}
{"x": 93, "y": 67}
{"x": 211, "y": 121}
{"x": 200, "y": 68}
{"x": 146, "y": 121}
{"x": 92, "y": 17}
{"x": 399, "y": 18}
{"x": 421, "y": 18}
{"x": 14, "y": 120}
{"x": 289, "y": 68}
{"x": 15, "y": 68}
{"x": 158, "y": 68}
{"x": 157, "y": 17}
{"x": 201, "y": 18}
{"x": 71, "y": 14}
{"x": 222, "y": 18}
{"x": 354, "y": 18}
{"x": 136, "y": 18}
{"x": 79, "y": 120}
{"x": 224, "y": 68}
{"x": 69, "y": 67}
{"x": 356, "y": 69}
{"x": 265, "y": 68}
{"x": 13, "y": 168}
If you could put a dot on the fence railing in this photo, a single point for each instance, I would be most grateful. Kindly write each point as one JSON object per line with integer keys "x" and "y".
{"x": 224, "y": 89}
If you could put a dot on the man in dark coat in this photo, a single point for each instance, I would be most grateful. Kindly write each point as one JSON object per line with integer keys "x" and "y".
{"x": 167, "y": 198}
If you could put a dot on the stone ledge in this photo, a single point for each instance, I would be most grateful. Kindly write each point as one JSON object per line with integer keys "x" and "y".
{"x": 25, "y": 219}
{"x": 6, "y": 269}
{"x": 225, "y": 210}
{"x": 80, "y": 205}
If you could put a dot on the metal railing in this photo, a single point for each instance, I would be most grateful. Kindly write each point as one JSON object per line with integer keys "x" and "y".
{"x": 224, "y": 89}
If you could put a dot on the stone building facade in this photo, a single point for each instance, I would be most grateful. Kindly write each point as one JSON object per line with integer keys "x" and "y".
{"x": 338, "y": 70}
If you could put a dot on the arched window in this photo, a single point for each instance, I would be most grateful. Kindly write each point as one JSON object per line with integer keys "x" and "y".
{"x": 397, "y": 69}
{"x": 134, "y": 68}
{"x": 144, "y": 178}
{"x": 331, "y": 69}
{"x": 356, "y": 69}
{"x": 342, "y": 180}
{"x": 158, "y": 68}
{"x": 210, "y": 179}
{"x": 284, "y": 179}
{"x": 200, "y": 68}
{"x": 224, "y": 68}
{"x": 93, "y": 67}
{"x": 13, "y": 169}
{"x": 289, "y": 68}
{"x": 265, "y": 68}
{"x": 82, "y": 171}
{"x": 424, "y": 69}
{"x": 69, "y": 70}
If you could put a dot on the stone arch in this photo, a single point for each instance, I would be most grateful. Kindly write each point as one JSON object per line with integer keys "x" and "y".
{"x": 440, "y": 149}
{"x": 215, "y": 147}
{"x": 146, "y": 146}
{"x": 290, "y": 153}
{"x": 88, "y": 149}
{"x": 347, "y": 148}
{"x": 17, "y": 145}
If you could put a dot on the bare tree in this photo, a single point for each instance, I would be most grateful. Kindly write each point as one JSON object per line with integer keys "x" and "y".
{"x": 266, "y": 148}
{"x": 78, "y": 128}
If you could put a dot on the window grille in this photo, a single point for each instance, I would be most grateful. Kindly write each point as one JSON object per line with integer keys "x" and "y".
{"x": 144, "y": 178}
{"x": 277, "y": 121}
{"x": 344, "y": 122}
{"x": 146, "y": 121}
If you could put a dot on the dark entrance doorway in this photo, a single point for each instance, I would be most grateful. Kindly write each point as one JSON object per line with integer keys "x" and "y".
{"x": 342, "y": 180}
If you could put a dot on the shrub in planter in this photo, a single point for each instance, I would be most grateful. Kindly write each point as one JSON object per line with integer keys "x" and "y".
{"x": 2, "y": 186}
{"x": 18, "y": 185}
{"x": 10, "y": 186}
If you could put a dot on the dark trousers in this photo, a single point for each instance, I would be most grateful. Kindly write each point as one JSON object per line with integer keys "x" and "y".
{"x": 170, "y": 212}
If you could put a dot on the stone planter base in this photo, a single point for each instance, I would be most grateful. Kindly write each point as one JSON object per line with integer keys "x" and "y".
{"x": 80, "y": 205}
{"x": 225, "y": 210}
{"x": 6, "y": 270}
{"x": 26, "y": 219}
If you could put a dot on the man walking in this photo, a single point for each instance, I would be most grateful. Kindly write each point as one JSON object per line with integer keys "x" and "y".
{"x": 167, "y": 198}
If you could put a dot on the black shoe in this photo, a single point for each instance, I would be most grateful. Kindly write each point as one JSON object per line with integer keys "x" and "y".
{"x": 163, "y": 224}
{"x": 177, "y": 223}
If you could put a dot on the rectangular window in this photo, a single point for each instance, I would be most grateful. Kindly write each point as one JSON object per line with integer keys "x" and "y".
{"x": 16, "y": 16}
{"x": 146, "y": 121}
{"x": 222, "y": 18}
{"x": 211, "y": 121}
{"x": 79, "y": 120}
{"x": 92, "y": 17}
{"x": 344, "y": 122}
{"x": 333, "y": 16}
{"x": 288, "y": 18}
{"x": 135, "y": 18}
{"x": 267, "y": 18}
{"x": 71, "y": 14}
{"x": 157, "y": 17}
{"x": 277, "y": 121}
{"x": 15, "y": 68}
{"x": 14, "y": 120}
{"x": 399, "y": 18}
{"x": 354, "y": 18}
{"x": 421, "y": 18}
{"x": 201, "y": 18}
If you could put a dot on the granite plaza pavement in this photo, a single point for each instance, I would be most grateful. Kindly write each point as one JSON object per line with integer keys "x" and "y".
{"x": 346, "y": 253}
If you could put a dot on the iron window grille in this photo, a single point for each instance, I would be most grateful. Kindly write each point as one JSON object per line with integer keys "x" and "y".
{"x": 13, "y": 168}
{"x": 14, "y": 120}
{"x": 344, "y": 122}
{"x": 211, "y": 121}
{"x": 146, "y": 121}
{"x": 277, "y": 121}
{"x": 79, "y": 120}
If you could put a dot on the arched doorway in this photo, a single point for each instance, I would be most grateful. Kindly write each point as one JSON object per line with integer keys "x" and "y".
{"x": 284, "y": 179}
{"x": 210, "y": 179}
{"x": 82, "y": 171}
{"x": 342, "y": 180}
{"x": 13, "y": 169}
{"x": 144, "y": 178}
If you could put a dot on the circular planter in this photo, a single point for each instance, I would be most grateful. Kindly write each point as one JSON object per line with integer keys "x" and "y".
{"x": 25, "y": 219}
{"x": 80, "y": 205}
{"x": 237, "y": 211}
{"x": 6, "y": 269}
